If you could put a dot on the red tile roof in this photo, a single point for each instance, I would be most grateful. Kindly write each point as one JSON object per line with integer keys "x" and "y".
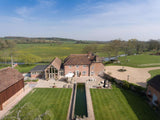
{"x": 78, "y": 59}
{"x": 56, "y": 63}
{"x": 8, "y": 77}
{"x": 155, "y": 82}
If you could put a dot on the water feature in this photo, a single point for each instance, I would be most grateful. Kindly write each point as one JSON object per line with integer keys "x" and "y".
{"x": 113, "y": 58}
{"x": 81, "y": 103}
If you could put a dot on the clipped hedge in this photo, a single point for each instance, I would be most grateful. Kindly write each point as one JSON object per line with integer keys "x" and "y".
{"x": 125, "y": 84}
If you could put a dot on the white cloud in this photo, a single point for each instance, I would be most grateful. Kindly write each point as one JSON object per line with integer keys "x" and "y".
{"x": 103, "y": 21}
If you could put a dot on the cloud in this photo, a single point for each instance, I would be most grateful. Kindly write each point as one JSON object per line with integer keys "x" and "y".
{"x": 33, "y": 11}
{"x": 124, "y": 19}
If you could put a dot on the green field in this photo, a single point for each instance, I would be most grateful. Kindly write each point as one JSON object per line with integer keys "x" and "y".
{"x": 143, "y": 60}
{"x": 55, "y": 100}
{"x": 48, "y": 51}
{"x": 25, "y": 68}
{"x": 154, "y": 73}
{"x": 119, "y": 104}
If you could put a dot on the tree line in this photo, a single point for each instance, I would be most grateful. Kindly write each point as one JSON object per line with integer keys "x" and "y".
{"x": 27, "y": 40}
{"x": 130, "y": 47}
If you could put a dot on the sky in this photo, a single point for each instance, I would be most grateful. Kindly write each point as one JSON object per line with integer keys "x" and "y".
{"x": 101, "y": 20}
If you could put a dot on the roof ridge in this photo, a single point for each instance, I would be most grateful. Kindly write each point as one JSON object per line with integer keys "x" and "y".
{"x": 5, "y": 68}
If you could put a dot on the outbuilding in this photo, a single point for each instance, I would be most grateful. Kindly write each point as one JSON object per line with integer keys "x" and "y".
{"x": 11, "y": 83}
{"x": 153, "y": 90}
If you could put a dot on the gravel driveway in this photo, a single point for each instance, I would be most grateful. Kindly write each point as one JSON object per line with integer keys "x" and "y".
{"x": 138, "y": 76}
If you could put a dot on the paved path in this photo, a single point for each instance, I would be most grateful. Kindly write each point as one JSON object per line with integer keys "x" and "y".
{"x": 138, "y": 76}
{"x": 50, "y": 83}
{"x": 8, "y": 107}
{"x": 89, "y": 104}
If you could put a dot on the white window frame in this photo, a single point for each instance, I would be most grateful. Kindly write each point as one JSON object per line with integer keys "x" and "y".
{"x": 92, "y": 73}
{"x": 84, "y": 73}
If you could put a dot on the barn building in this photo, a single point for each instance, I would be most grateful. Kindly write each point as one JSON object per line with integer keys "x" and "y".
{"x": 52, "y": 71}
{"x": 11, "y": 83}
{"x": 153, "y": 90}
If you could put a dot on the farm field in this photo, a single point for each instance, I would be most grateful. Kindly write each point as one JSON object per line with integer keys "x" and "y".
{"x": 48, "y": 51}
{"x": 141, "y": 61}
{"x": 53, "y": 102}
{"x": 120, "y": 104}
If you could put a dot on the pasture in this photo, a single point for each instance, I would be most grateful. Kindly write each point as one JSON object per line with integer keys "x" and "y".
{"x": 120, "y": 104}
{"x": 141, "y": 61}
{"x": 53, "y": 103}
{"x": 49, "y": 51}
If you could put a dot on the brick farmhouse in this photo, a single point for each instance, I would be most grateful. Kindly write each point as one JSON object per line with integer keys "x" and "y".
{"x": 153, "y": 90}
{"x": 78, "y": 64}
{"x": 11, "y": 84}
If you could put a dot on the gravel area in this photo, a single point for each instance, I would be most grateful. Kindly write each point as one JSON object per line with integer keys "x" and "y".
{"x": 138, "y": 76}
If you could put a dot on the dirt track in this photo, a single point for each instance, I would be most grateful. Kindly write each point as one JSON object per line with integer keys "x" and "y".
{"x": 138, "y": 76}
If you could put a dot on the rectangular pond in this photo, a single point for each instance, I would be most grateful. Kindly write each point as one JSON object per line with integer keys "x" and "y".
{"x": 81, "y": 103}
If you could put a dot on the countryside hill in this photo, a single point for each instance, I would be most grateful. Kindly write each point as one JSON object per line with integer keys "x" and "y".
{"x": 28, "y": 40}
{"x": 18, "y": 39}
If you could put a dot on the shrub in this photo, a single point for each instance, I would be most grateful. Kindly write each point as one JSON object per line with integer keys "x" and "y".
{"x": 125, "y": 84}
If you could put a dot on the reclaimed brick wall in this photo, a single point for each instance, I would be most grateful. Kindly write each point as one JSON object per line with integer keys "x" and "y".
{"x": 73, "y": 68}
{"x": 37, "y": 75}
{"x": 97, "y": 68}
{"x": 153, "y": 91}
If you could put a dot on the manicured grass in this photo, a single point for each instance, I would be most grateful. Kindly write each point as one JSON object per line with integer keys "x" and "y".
{"x": 143, "y": 60}
{"x": 25, "y": 68}
{"x": 119, "y": 104}
{"x": 56, "y": 100}
{"x": 154, "y": 73}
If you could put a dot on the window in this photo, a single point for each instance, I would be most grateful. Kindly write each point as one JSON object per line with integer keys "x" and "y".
{"x": 92, "y": 73}
{"x": 92, "y": 67}
{"x": 70, "y": 66}
{"x": 77, "y": 66}
{"x": 33, "y": 73}
{"x": 84, "y": 66}
{"x": 84, "y": 73}
{"x": 149, "y": 92}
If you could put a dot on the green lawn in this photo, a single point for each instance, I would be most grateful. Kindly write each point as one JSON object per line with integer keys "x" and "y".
{"x": 154, "y": 73}
{"x": 25, "y": 68}
{"x": 119, "y": 104}
{"x": 54, "y": 100}
{"x": 143, "y": 60}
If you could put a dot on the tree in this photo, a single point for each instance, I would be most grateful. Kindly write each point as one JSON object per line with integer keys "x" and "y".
{"x": 7, "y": 46}
{"x": 116, "y": 45}
{"x": 90, "y": 48}
{"x": 108, "y": 49}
